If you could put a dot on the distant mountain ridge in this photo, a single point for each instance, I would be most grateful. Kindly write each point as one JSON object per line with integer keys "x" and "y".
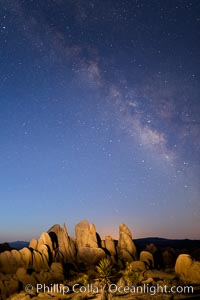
{"x": 18, "y": 244}
{"x": 162, "y": 242}
{"x": 141, "y": 242}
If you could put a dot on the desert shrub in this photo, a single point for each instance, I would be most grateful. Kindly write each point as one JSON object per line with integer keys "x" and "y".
{"x": 84, "y": 279}
{"x": 104, "y": 274}
{"x": 104, "y": 271}
{"x": 131, "y": 277}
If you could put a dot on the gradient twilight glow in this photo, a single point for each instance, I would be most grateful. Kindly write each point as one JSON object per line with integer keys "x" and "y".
{"x": 100, "y": 116}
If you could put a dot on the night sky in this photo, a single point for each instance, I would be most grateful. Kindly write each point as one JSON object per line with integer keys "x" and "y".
{"x": 100, "y": 116}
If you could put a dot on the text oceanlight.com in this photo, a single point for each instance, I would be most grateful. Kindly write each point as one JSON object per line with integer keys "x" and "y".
{"x": 112, "y": 288}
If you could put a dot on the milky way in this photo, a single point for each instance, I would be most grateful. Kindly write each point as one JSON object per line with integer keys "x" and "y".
{"x": 99, "y": 116}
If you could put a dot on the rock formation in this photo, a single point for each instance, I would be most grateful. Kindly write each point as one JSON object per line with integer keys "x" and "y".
{"x": 26, "y": 258}
{"x": 187, "y": 269}
{"x": 147, "y": 258}
{"x": 90, "y": 256}
{"x": 183, "y": 262}
{"x": 55, "y": 245}
{"x": 126, "y": 248}
{"x": 88, "y": 250}
{"x": 55, "y": 254}
{"x": 110, "y": 245}
{"x": 44, "y": 239}
{"x": 86, "y": 235}
{"x": 110, "y": 248}
{"x": 63, "y": 244}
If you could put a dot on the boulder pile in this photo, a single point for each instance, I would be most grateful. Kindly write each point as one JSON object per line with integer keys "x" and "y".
{"x": 46, "y": 259}
{"x": 51, "y": 258}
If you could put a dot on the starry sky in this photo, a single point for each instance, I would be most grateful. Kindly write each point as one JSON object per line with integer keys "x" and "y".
{"x": 100, "y": 116}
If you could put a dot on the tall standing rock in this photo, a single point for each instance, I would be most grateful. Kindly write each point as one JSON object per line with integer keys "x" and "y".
{"x": 126, "y": 247}
{"x": 89, "y": 251}
{"x": 92, "y": 238}
{"x": 44, "y": 239}
{"x": 64, "y": 245}
{"x": 86, "y": 235}
{"x": 110, "y": 245}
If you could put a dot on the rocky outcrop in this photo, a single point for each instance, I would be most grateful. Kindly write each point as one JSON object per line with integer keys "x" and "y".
{"x": 63, "y": 245}
{"x": 15, "y": 259}
{"x": 183, "y": 262}
{"x": 40, "y": 261}
{"x": 187, "y": 269}
{"x": 147, "y": 258}
{"x": 5, "y": 265}
{"x": 90, "y": 256}
{"x": 87, "y": 243}
{"x": 55, "y": 254}
{"x": 56, "y": 246}
{"x": 110, "y": 245}
{"x": 44, "y": 239}
{"x": 10, "y": 261}
{"x": 33, "y": 244}
{"x": 12, "y": 283}
{"x": 86, "y": 235}
{"x": 126, "y": 247}
{"x": 23, "y": 277}
{"x": 26, "y": 258}
{"x": 57, "y": 272}
{"x": 110, "y": 248}
{"x": 8, "y": 286}
{"x": 193, "y": 273}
